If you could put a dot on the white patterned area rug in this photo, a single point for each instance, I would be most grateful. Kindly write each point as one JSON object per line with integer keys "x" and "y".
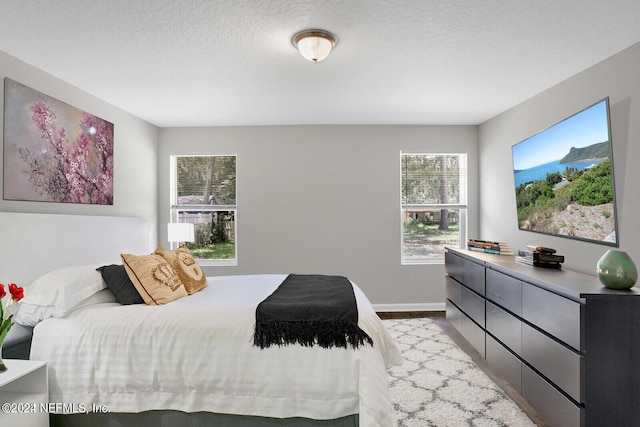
{"x": 440, "y": 386}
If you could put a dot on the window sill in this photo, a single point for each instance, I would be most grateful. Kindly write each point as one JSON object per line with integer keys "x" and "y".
{"x": 217, "y": 262}
{"x": 422, "y": 261}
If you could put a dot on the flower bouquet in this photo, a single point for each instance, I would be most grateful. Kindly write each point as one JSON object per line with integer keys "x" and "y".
{"x": 17, "y": 293}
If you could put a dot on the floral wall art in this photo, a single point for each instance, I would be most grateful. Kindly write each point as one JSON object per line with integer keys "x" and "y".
{"x": 54, "y": 152}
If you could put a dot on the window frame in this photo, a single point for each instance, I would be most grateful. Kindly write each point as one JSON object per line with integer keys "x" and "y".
{"x": 462, "y": 207}
{"x": 175, "y": 208}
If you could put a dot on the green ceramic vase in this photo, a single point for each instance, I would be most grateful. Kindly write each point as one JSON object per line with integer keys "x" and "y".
{"x": 616, "y": 270}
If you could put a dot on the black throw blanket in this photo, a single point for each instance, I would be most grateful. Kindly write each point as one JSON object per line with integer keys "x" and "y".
{"x": 309, "y": 310}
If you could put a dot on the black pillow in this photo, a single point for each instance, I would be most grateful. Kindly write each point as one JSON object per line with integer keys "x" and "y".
{"x": 117, "y": 279}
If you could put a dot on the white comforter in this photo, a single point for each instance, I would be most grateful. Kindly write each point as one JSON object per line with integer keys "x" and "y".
{"x": 197, "y": 354}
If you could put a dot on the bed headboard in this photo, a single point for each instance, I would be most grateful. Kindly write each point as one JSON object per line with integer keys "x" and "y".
{"x": 34, "y": 244}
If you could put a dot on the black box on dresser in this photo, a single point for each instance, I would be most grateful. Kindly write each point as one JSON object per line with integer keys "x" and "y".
{"x": 569, "y": 346}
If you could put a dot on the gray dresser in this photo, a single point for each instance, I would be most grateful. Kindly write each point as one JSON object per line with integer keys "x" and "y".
{"x": 569, "y": 346}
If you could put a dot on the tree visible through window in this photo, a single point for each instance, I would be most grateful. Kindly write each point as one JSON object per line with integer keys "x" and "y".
{"x": 433, "y": 206}
{"x": 204, "y": 194}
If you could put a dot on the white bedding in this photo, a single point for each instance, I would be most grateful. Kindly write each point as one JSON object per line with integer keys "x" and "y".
{"x": 196, "y": 354}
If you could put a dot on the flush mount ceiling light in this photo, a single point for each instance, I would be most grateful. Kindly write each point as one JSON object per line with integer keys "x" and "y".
{"x": 315, "y": 45}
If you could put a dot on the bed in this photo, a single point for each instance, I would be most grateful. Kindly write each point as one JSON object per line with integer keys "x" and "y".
{"x": 192, "y": 361}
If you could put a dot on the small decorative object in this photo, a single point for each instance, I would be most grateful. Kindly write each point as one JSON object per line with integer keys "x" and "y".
{"x": 17, "y": 293}
{"x": 616, "y": 270}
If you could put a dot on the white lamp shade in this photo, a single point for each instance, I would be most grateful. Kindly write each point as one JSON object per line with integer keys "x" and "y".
{"x": 180, "y": 232}
{"x": 314, "y": 45}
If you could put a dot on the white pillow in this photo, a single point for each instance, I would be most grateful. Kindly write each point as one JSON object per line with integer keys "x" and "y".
{"x": 31, "y": 315}
{"x": 61, "y": 290}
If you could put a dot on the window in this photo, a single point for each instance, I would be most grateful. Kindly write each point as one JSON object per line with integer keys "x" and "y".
{"x": 203, "y": 192}
{"x": 433, "y": 206}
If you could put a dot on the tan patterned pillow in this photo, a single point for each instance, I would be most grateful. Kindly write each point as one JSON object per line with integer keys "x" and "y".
{"x": 186, "y": 266}
{"x": 154, "y": 278}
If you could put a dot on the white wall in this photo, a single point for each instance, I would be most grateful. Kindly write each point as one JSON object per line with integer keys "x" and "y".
{"x": 135, "y": 151}
{"x": 324, "y": 199}
{"x": 618, "y": 77}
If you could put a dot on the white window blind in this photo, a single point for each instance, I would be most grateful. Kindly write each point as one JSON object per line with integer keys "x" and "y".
{"x": 433, "y": 205}
{"x": 203, "y": 192}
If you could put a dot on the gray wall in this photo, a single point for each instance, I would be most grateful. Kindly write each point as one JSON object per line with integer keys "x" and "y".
{"x": 324, "y": 199}
{"x": 618, "y": 77}
{"x": 135, "y": 151}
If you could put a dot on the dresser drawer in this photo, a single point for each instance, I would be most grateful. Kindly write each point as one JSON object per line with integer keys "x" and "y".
{"x": 473, "y": 333}
{"x": 468, "y": 301}
{"x": 562, "y": 366}
{"x": 504, "y": 327}
{"x": 556, "y": 409}
{"x": 453, "y": 265}
{"x": 453, "y": 291}
{"x": 466, "y": 272}
{"x": 504, "y": 290}
{"x": 454, "y": 315}
{"x": 504, "y": 363}
{"x": 473, "y": 305}
{"x": 558, "y": 316}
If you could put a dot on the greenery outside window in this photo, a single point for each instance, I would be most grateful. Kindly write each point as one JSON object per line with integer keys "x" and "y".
{"x": 433, "y": 206}
{"x": 203, "y": 192}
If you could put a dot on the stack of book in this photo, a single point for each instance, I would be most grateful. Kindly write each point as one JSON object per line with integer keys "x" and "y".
{"x": 540, "y": 256}
{"x": 489, "y": 247}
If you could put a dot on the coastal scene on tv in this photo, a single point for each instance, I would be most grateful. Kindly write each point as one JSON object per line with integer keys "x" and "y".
{"x": 564, "y": 178}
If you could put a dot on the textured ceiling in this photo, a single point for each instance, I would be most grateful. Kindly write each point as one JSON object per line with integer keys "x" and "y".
{"x": 231, "y": 62}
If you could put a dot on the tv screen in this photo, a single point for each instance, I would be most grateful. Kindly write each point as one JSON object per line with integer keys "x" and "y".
{"x": 564, "y": 178}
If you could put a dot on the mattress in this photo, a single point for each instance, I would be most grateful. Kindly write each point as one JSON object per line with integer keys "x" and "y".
{"x": 197, "y": 354}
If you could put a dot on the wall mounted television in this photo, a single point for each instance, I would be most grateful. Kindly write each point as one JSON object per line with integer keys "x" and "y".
{"x": 564, "y": 178}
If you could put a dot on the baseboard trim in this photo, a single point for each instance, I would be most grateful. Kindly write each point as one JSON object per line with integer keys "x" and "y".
{"x": 409, "y": 307}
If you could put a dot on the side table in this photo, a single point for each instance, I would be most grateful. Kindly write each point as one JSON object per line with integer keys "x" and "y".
{"x": 24, "y": 394}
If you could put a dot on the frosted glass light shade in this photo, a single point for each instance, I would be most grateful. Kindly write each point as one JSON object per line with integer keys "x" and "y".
{"x": 180, "y": 232}
{"x": 314, "y": 45}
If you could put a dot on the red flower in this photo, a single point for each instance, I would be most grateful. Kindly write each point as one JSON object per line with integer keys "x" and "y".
{"x": 17, "y": 293}
{"x": 2, "y": 291}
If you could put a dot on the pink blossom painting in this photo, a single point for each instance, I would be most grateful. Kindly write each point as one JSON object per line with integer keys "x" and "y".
{"x": 54, "y": 152}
